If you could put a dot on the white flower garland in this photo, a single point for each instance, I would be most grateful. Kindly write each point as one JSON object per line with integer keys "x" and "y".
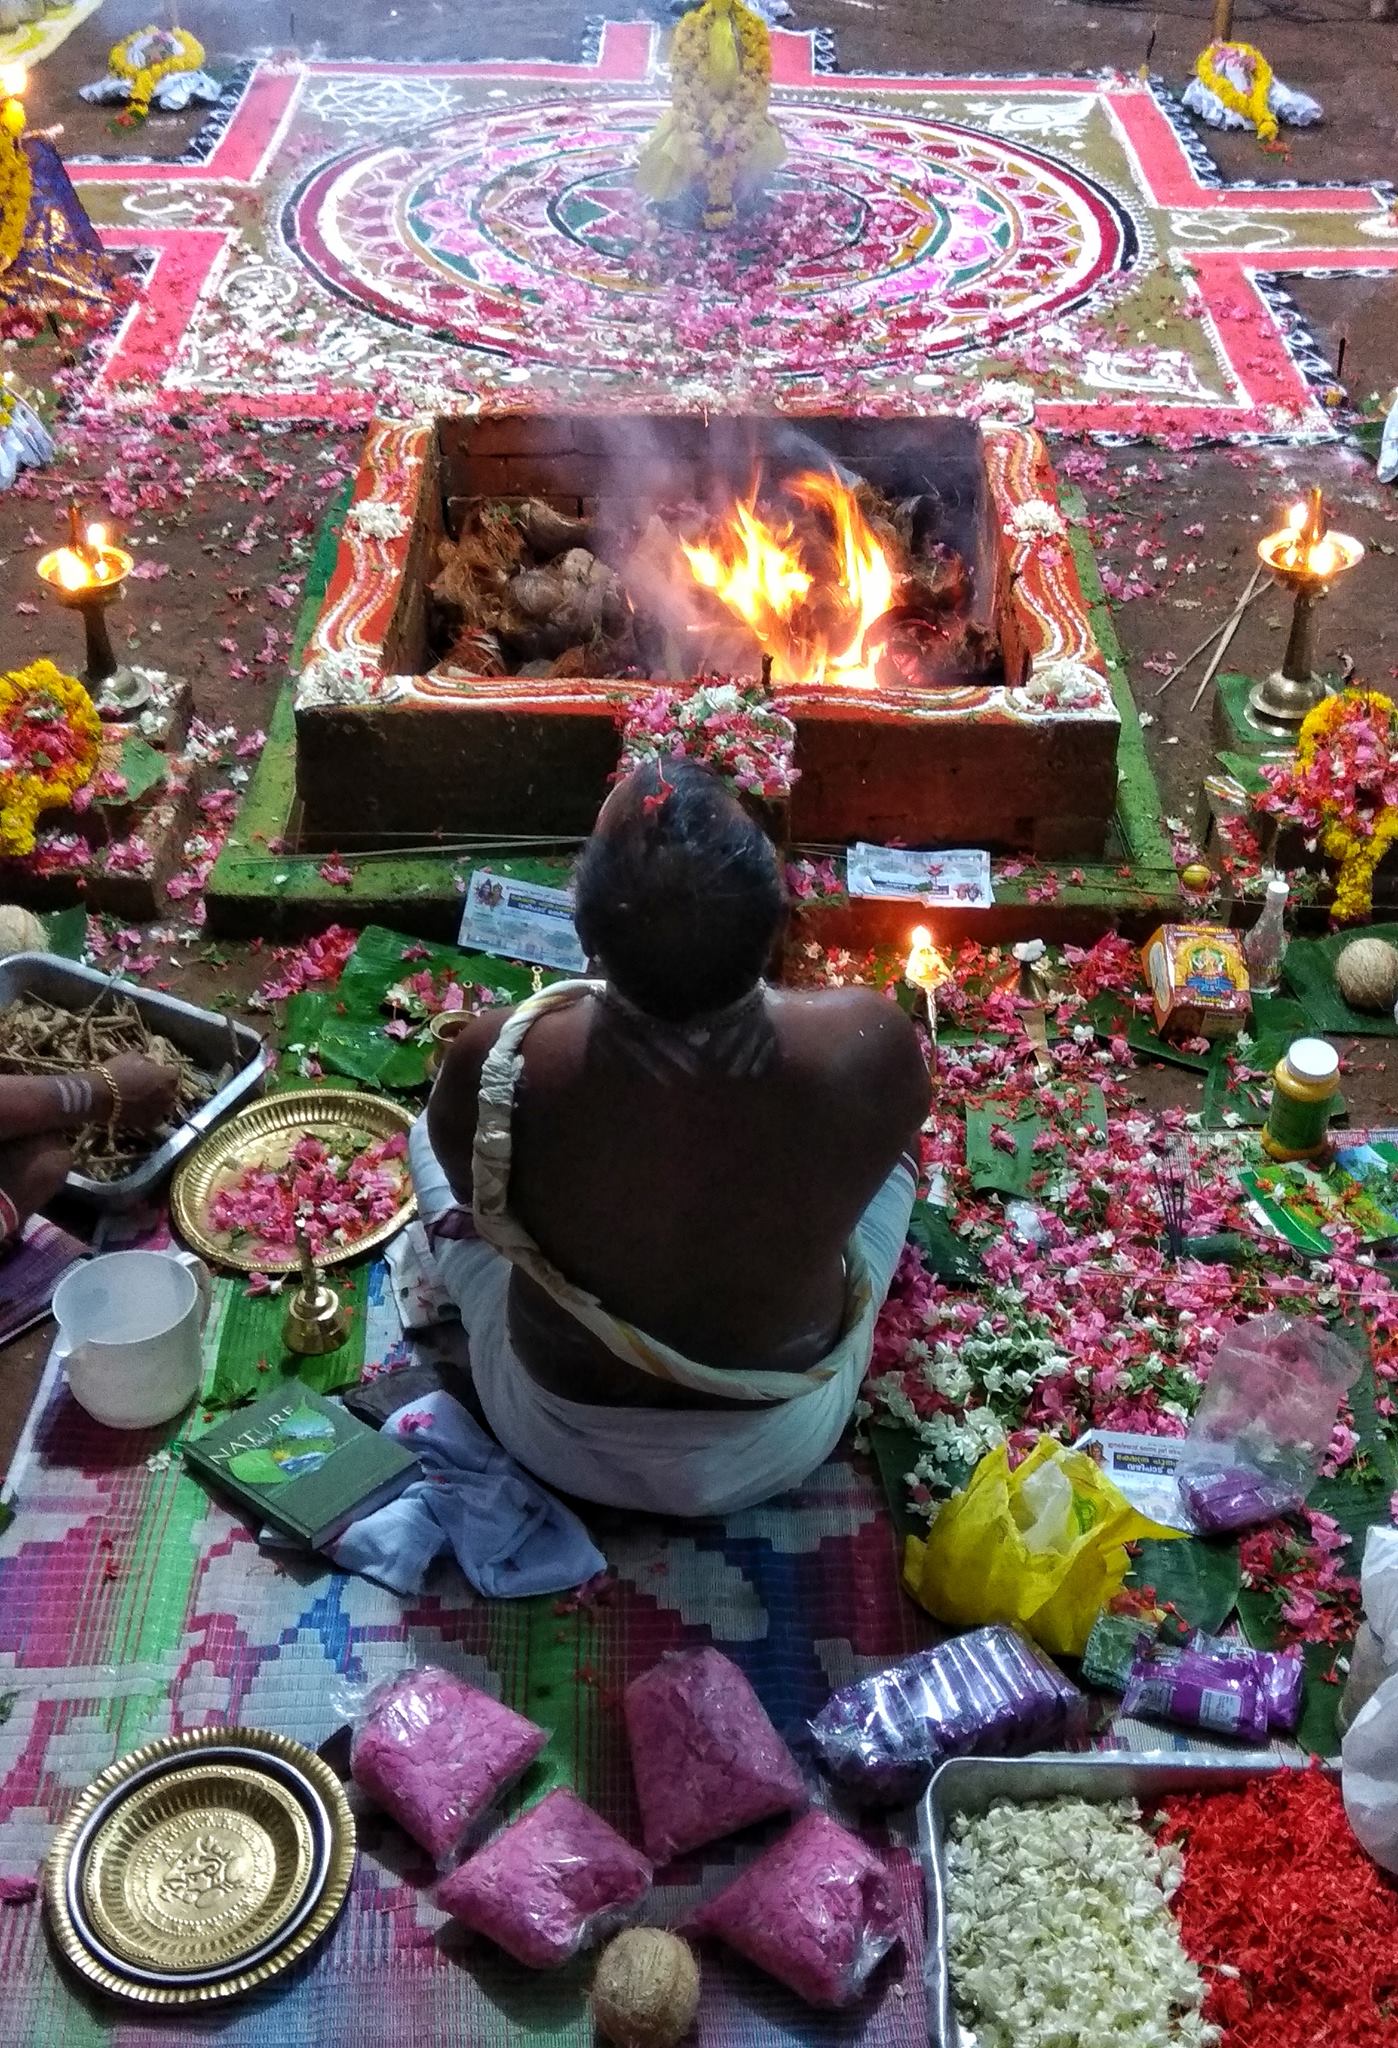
{"x": 1036, "y": 519}
{"x": 344, "y": 679}
{"x": 1001, "y": 399}
{"x": 1060, "y": 1931}
{"x": 379, "y": 519}
{"x": 1064, "y": 684}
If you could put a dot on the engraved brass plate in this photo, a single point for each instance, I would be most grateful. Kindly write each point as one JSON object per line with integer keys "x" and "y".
{"x": 262, "y": 1136}
{"x": 198, "y": 1868}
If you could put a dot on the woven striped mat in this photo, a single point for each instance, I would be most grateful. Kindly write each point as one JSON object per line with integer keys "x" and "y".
{"x": 132, "y": 1605}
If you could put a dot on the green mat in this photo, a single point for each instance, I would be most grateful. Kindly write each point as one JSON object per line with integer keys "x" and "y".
{"x": 1309, "y": 971}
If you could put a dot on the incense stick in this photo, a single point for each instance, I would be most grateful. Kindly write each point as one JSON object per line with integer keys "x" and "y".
{"x": 1229, "y": 626}
{"x": 1227, "y": 640}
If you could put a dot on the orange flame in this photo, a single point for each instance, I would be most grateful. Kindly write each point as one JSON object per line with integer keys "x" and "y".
{"x": 762, "y": 572}
{"x": 926, "y": 967}
{"x": 73, "y": 571}
{"x": 753, "y": 571}
{"x": 1311, "y": 547}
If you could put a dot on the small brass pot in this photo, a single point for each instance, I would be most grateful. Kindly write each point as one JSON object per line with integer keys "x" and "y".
{"x": 443, "y": 1028}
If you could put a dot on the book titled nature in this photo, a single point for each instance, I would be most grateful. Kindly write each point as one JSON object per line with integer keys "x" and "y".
{"x": 302, "y": 1462}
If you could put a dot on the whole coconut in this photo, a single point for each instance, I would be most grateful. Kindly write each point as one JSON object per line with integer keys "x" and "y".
{"x": 20, "y": 931}
{"x": 1366, "y": 974}
{"x": 646, "y": 1991}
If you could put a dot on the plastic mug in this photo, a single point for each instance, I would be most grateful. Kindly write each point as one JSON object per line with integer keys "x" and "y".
{"x": 130, "y": 1331}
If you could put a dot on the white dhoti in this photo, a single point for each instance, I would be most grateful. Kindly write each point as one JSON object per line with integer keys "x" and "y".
{"x": 669, "y": 1461}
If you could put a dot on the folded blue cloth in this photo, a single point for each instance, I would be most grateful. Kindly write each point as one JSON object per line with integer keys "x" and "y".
{"x": 508, "y": 1534}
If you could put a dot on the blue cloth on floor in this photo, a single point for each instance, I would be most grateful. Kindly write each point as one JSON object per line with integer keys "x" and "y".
{"x": 509, "y": 1535}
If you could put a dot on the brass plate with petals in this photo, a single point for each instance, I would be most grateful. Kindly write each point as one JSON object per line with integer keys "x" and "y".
{"x": 198, "y": 1868}
{"x": 182, "y": 1878}
{"x": 262, "y": 1136}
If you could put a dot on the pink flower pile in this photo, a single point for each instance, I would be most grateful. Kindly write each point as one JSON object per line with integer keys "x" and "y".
{"x": 1351, "y": 776}
{"x": 1089, "y": 1324}
{"x": 430, "y": 992}
{"x": 1319, "y": 1601}
{"x": 734, "y": 728}
{"x": 333, "y": 1200}
{"x": 321, "y": 960}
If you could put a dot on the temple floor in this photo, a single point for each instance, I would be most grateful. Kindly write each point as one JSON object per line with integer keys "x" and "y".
{"x": 224, "y": 512}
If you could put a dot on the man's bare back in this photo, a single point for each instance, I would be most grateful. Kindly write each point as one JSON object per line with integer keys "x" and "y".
{"x": 712, "y": 1212}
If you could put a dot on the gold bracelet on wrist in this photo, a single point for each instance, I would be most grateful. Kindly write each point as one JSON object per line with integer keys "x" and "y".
{"x": 105, "y": 1074}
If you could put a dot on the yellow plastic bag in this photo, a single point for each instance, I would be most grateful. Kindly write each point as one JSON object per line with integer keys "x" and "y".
{"x": 1041, "y": 1547}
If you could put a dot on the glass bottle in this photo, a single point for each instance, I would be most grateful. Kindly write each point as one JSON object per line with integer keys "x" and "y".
{"x": 1265, "y": 945}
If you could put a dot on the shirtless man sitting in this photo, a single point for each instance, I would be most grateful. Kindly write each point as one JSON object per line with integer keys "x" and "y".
{"x": 669, "y": 1201}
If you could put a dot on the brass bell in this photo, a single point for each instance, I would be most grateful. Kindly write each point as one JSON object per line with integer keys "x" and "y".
{"x": 317, "y": 1320}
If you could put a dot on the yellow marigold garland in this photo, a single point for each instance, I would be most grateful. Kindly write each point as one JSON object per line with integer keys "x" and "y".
{"x": 16, "y": 186}
{"x": 1357, "y": 854}
{"x": 717, "y": 134}
{"x": 50, "y": 747}
{"x": 124, "y": 62}
{"x": 1255, "y": 104}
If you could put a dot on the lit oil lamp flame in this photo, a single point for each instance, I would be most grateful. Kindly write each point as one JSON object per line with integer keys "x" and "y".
{"x": 1305, "y": 549}
{"x": 90, "y": 562}
{"x": 926, "y": 968}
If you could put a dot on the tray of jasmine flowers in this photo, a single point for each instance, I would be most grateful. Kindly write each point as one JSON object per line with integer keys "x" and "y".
{"x": 1063, "y": 1911}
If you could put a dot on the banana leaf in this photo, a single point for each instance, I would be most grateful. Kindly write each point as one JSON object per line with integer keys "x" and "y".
{"x": 1200, "y": 1580}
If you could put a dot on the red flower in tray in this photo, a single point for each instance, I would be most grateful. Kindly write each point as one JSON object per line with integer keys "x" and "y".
{"x": 332, "y": 1199}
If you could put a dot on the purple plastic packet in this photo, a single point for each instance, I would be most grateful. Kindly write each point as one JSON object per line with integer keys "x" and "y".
{"x": 1282, "y": 1673}
{"x": 1235, "y": 1497}
{"x": 1223, "y": 1694}
{"x": 990, "y": 1691}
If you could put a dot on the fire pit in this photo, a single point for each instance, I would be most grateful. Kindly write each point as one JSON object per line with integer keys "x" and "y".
{"x": 504, "y": 583}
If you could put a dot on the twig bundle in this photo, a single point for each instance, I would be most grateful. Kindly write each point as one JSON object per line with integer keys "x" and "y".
{"x": 38, "y": 1037}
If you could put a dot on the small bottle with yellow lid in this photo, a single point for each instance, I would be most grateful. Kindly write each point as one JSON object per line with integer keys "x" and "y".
{"x": 1304, "y": 1085}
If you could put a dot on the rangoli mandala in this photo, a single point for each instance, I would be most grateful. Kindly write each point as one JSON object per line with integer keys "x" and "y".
{"x": 932, "y": 232}
{"x": 469, "y": 234}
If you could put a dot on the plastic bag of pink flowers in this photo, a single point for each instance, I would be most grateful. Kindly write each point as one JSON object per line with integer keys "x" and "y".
{"x": 436, "y": 1753}
{"x": 816, "y": 1912}
{"x": 706, "y": 1758}
{"x": 552, "y": 1883}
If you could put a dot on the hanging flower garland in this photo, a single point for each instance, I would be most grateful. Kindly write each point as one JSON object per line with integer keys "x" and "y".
{"x": 50, "y": 745}
{"x": 1343, "y": 789}
{"x": 1253, "y": 99}
{"x": 16, "y": 185}
{"x": 144, "y": 59}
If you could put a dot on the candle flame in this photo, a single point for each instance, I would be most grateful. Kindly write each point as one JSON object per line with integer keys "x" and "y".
{"x": 97, "y": 538}
{"x": 13, "y": 80}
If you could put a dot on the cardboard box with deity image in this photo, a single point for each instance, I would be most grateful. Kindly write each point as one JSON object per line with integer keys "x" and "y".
{"x": 1198, "y": 980}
